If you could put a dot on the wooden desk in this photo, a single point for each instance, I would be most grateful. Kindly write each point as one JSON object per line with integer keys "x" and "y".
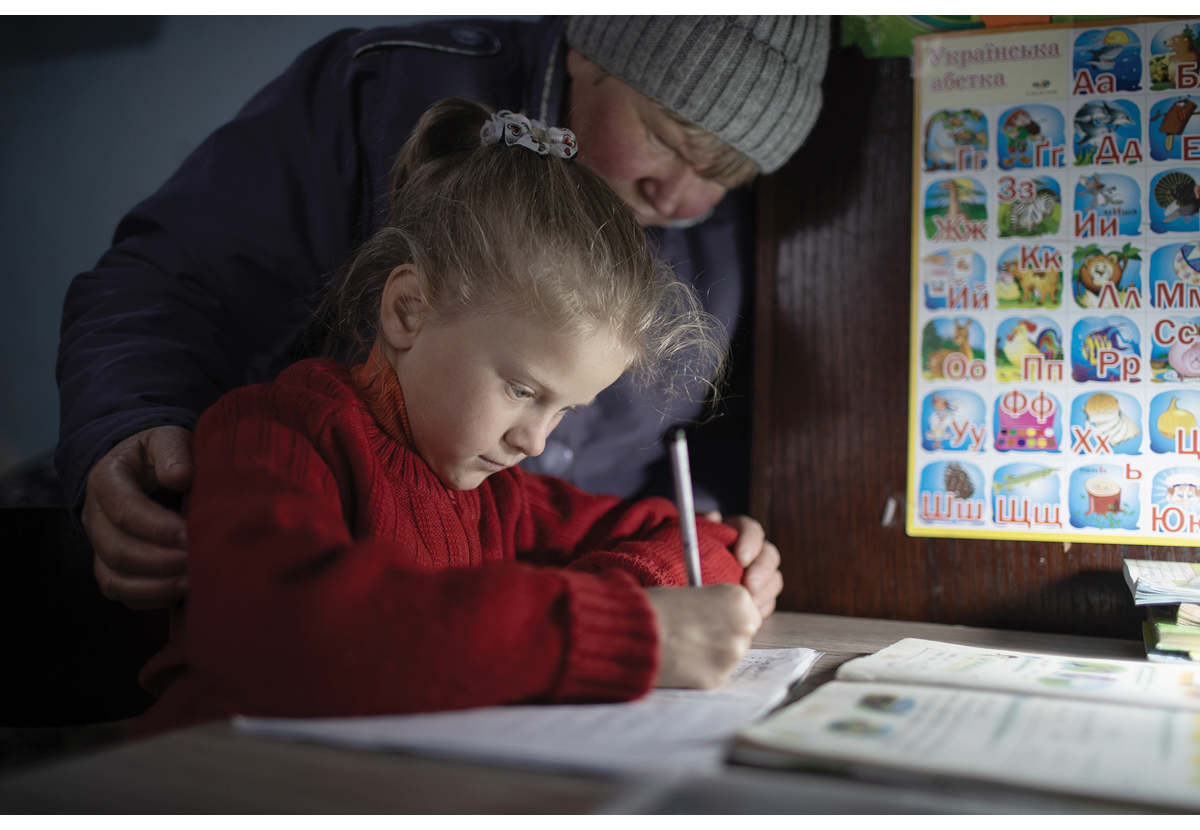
{"x": 210, "y": 769}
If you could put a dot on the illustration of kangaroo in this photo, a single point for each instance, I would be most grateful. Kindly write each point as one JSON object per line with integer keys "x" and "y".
{"x": 937, "y": 359}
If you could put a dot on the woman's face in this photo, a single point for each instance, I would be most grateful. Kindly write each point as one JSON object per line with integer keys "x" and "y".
{"x": 637, "y": 148}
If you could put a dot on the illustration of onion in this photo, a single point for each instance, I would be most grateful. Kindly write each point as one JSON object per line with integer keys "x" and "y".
{"x": 1173, "y": 419}
{"x": 1104, "y": 496}
{"x": 1185, "y": 359}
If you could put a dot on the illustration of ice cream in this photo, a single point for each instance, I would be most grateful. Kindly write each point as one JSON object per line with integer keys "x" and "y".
{"x": 1104, "y": 496}
{"x": 1175, "y": 120}
{"x": 1106, "y": 418}
{"x": 961, "y": 265}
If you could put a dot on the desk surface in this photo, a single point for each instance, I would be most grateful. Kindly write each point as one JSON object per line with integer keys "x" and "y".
{"x": 210, "y": 769}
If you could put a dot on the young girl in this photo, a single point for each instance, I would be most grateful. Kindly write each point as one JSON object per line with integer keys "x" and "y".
{"x": 361, "y": 540}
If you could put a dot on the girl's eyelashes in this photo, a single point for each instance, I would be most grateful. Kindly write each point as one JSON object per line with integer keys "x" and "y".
{"x": 521, "y": 393}
{"x": 524, "y": 393}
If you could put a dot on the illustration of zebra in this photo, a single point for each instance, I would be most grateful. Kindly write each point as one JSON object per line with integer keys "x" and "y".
{"x": 1025, "y": 217}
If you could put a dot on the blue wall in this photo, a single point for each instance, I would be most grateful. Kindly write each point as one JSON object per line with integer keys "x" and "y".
{"x": 84, "y": 137}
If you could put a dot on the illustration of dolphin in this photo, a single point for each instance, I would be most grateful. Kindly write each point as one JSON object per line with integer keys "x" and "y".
{"x": 1097, "y": 119}
{"x": 1117, "y": 116}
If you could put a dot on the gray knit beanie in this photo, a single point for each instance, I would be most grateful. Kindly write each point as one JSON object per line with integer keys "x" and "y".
{"x": 754, "y": 82}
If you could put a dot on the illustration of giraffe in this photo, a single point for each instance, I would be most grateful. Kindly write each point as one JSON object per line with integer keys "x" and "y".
{"x": 955, "y": 208}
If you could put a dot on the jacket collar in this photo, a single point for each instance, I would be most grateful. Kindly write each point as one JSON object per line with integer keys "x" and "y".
{"x": 547, "y": 82}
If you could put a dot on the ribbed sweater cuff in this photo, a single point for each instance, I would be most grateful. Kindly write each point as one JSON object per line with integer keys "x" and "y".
{"x": 613, "y": 650}
{"x": 717, "y": 563}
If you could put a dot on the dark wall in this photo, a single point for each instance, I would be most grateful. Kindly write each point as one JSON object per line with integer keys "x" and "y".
{"x": 95, "y": 114}
{"x": 831, "y": 397}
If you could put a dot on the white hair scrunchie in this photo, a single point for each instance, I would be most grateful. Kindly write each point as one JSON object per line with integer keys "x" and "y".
{"x": 517, "y": 129}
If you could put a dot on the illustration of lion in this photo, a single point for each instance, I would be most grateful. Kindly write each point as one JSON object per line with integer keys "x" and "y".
{"x": 1097, "y": 271}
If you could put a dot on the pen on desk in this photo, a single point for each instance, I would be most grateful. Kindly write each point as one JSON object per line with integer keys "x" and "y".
{"x": 687, "y": 507}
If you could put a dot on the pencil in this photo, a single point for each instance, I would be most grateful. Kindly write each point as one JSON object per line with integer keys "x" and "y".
{"x": 687, "y": 507}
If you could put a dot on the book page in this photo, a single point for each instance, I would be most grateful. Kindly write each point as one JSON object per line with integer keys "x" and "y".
{"x": 669, "y": 729}
{"x": 764, "y": 675}
{"x": 1185, "y": 573}
{"x": 1094, "y": 749}
{"x": 943, "y": 664}
{"x": 1176, "y": 573}
{"x": 1154, "y": 583}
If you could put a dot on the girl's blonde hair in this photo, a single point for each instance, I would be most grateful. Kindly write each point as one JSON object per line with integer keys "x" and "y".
{"x": 496, "y": 229}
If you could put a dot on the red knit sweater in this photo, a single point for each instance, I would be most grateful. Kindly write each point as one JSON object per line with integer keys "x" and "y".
{"x": 331, "y": 573}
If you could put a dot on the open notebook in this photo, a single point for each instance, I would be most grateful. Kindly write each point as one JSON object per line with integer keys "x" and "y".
{"x": 669, "y": 729}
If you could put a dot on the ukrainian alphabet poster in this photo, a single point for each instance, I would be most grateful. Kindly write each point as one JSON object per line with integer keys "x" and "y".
{"x": 1055, "y": 353}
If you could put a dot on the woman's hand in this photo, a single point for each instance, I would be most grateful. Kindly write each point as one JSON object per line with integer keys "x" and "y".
{"x": 141, "y": 546}
{"x": 759, "y": 557}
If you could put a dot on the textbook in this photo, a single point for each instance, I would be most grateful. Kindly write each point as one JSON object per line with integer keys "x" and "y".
{"x": 1169, "y": 635}
{"x": 667, "y": 730}
{"x": 1188, "y": 614}
{"x": 1119, "y": 730}
{"x": 1161, "y": 655}
{"x": 1153, "y": 582}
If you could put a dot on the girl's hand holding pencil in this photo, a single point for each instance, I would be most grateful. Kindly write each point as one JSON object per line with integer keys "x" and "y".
{"x": 703, "y": 633}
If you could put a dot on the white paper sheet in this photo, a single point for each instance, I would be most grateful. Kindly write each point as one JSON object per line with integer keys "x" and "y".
{"x": 669, "y": 729}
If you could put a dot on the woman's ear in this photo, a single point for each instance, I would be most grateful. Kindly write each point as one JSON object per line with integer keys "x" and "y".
{"x": 400, "y": 308}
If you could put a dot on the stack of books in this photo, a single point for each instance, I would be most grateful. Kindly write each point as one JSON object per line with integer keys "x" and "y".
{"x": 1171, "y": 590}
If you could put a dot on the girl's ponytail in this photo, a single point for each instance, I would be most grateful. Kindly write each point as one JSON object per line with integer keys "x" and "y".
{"x": 447, "y": 129}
